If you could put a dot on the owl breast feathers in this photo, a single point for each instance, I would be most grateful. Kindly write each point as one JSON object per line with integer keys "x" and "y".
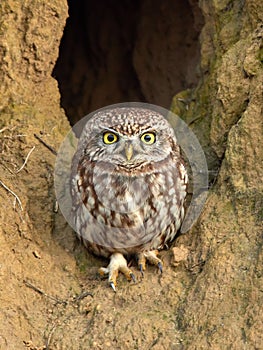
{"x": 128, "y": 182}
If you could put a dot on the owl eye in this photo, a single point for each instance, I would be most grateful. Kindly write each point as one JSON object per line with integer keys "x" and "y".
{"x": 149, "y": 138}
{"x": 109, "y": 138}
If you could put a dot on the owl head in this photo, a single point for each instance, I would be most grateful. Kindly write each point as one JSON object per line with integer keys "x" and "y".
{"x": 128, "y": 137}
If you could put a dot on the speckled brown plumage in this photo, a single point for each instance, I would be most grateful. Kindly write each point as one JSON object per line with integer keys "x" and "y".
{"x": 128, "y": 202}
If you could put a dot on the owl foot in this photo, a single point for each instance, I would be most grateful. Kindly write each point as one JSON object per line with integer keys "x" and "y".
{"x": 117, "y": 264}
{"x": 150, "y": 256}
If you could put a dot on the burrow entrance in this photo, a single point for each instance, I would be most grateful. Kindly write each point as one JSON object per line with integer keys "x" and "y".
{"x": 131, "y": 50}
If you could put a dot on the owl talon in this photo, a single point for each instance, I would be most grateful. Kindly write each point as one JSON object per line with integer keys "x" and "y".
{"x": 142, "y": 263}
{"x": 160, "y": 267}
{"x": 117, "y": 264}
{"x": 150, "y": 256}
{"x": 113, "y": 286}
{"x": 133, "y": 277}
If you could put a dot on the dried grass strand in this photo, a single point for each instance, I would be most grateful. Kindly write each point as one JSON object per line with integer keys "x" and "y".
{"x": 24, "y": 164}
{"x": 14, "y": 194}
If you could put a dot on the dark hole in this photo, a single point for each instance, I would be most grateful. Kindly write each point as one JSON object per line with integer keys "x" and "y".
{"x": 130, "y": 50}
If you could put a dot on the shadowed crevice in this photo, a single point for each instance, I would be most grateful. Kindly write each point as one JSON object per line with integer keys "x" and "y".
{"x": 115, "y": 52}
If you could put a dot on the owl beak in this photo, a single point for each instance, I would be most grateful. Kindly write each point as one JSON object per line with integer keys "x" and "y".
{"x": 128, "y": 151}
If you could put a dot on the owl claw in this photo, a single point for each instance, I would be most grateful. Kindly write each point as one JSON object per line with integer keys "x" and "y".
{"x": 117, "y": 264}
{"x": 160, "y": 267}
{"x": 141, "y": 270}
{"x": 113, "y": 286}
{"x": 150, "y": 256}
{"x": 133, "y": 277}
{"x": 142, "y": 263}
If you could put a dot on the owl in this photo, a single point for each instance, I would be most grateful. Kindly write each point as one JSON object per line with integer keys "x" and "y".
{"x": 128, "y": 188}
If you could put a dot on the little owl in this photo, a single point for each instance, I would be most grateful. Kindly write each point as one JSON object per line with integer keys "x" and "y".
{"x": 128, "y": 187}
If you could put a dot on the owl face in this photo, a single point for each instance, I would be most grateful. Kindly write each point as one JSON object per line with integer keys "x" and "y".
{"x": 128, "y": 138}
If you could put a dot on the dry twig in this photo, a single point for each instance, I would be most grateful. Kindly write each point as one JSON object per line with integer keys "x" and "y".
{"x": 28, "y": 155}
{"x": 13, "y": 193}
{"x": 49, "y": 337}
{"x": 83, "y": 295}
{"x": 4, "y": 128}
{"x": 30, "y": 285}
{"x": 45, "y": 144}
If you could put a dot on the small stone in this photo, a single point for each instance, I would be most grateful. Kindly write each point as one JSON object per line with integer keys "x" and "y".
{"x": 36, "y": 254}
{"x": 180, "y": 254}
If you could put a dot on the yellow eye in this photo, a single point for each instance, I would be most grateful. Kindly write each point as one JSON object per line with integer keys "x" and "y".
{"x": 149, "y": 138}
{"x": 109, "y": 138}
